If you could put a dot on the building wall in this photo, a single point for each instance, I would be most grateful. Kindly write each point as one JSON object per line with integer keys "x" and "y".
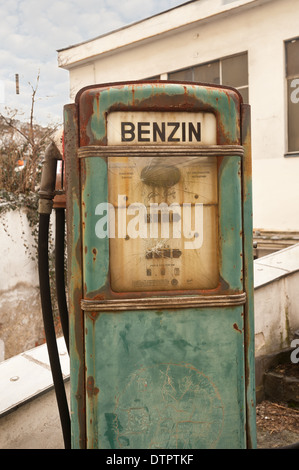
{"x": 21, "y": 323}
{"x": 261, "y": 31}
{"x": 276, "y": 315}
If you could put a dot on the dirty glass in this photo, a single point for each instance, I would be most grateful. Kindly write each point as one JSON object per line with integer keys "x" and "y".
{"x": 235, "y": 74}
{"x": 163, "y": 216}
{"x": 235, "y": 71}
{"x": 230, "y": 71}
{"x": 292, "y": 70}
{"x": 244, "y": 92}
{"x": 293, "y": 114}
{"x": 207, "y": 73}
{"x": 292, "y": 55}
{"x": 182, "y": 75}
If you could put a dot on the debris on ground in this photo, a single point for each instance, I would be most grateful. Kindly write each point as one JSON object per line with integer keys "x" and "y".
{"x": 277, "y": 424}
{"x": 288, "y": 369}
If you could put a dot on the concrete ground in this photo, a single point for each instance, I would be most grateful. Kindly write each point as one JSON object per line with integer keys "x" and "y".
{"x": 34, "y": 425}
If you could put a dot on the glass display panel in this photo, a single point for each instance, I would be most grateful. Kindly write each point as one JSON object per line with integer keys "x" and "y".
{"x": 163, "y": 223}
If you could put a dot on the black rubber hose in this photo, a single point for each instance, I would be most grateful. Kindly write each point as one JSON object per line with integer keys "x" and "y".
{"x": 60, "y": 273}
{"x": 290, "y": 446}
{"x": 45, "y": 292}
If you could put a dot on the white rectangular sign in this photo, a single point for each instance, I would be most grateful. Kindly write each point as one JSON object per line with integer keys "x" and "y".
{"x": 161, "y": 128}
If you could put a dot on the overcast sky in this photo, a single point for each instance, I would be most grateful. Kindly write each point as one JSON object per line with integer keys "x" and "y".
{"x": 31, "y": 32}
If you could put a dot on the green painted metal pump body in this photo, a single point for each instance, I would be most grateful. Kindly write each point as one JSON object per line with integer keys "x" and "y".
{"x": 161, "y": 325}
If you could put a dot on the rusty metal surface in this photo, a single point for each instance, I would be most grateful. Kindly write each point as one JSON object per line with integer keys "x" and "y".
{"x": 248, "y": 277}
{"x": 165, "y": 302}
{"x": 116, "y": 328}
{"x": 74, "y": 278}
{"x": 95, "y": 102}
{"x": 153, "y": 151}
{"x": 177, "y": 379}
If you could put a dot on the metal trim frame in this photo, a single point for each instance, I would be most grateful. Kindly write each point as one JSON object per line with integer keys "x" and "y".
{"x": 75, "y": 287}
{"x": 249, "y": 345}
{"x": 153, "y": 150}
{"x": 163, "y": 302}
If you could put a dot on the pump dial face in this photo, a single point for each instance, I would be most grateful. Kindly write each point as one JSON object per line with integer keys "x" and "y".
{"x": 163, "y": 223}
{"x": 163, "y": 210}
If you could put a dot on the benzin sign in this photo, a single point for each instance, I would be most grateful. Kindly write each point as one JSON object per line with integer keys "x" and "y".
{"x": 156, "y": 128}
{"x": 161, "y": 128}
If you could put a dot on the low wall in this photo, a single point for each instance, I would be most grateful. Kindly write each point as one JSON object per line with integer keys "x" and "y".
{"x": 276, "y": 307}
{"x": 21, "y": 325}
{"x": 276, "y": 300}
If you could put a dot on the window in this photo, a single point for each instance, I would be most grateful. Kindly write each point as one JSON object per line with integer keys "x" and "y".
{"x": 156, "y": 77}
{"x": 292, "y": 75}
{"x": 231, "y": 71}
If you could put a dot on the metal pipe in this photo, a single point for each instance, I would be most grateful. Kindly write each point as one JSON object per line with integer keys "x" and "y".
{"x": 59, "y": 272}
{"x": 46, "y": 193}
{"x": 48, "y": 179}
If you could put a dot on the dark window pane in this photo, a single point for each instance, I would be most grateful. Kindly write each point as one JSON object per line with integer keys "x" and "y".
{"x": 184, "y": 75}
{"x": 157, "y": 77}
{"x": 292, "y": 52}
{"x": 235, "y": 71}
{"x": 207, "y": 73}
{"x": 293, "y": 114}
{"x": 244, "y": 93}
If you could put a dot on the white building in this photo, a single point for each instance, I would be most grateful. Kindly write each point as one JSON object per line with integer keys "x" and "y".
{"x": 252, "y": 45}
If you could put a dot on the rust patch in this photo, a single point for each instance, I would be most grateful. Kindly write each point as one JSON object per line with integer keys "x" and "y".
{"x": 161, "y": 101}
{"x": 95, "y": 252}
{"x": 237, "y": 328}
{"x": 90, "y": 388}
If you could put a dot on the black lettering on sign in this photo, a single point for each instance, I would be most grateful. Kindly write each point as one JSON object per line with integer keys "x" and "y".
{"x": 195, "y": 132}
{"x": 183, "y": 132}
{"x": 160, "y": 132}
{"x": 175, "y": 126}
{"x": 142, "y": 131}
{"x": 127, "y": 128}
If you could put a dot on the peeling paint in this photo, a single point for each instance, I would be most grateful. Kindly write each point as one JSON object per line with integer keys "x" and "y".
{"x": 179, "y": 353}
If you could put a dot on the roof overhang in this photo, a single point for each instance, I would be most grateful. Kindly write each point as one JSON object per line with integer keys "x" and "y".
{"x": 177, "y": 19}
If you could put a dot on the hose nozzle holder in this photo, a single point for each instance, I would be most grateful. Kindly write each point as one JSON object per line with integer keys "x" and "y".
{"x": 48, "y": 179}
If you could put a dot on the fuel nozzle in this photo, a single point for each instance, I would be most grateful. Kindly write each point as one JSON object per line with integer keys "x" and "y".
{"x": 48, "y": 179}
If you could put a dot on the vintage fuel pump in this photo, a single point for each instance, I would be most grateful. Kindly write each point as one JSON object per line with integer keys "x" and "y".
{"x": 160, "y": 281}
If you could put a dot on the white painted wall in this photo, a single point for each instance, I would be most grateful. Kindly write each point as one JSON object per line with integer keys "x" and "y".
{"x": 17, "y": 266}
{"x": 21, "y": 324}
{"x": 261, "y": 29}
{"x": 276, "y": 300}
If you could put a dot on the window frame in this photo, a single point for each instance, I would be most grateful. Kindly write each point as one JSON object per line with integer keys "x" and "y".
{"x": 288, "y": 153}
{"x": 219, "y": 60}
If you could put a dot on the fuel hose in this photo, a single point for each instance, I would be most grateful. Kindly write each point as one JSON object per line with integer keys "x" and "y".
{"x": 46, "y": 193}
{"x": 59, "y": 272}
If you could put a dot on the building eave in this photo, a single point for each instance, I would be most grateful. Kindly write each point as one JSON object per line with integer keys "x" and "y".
{"x": 195, "y": 11}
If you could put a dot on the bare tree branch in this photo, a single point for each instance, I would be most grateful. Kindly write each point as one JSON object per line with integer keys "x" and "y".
{"x": 30, "y": 149}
